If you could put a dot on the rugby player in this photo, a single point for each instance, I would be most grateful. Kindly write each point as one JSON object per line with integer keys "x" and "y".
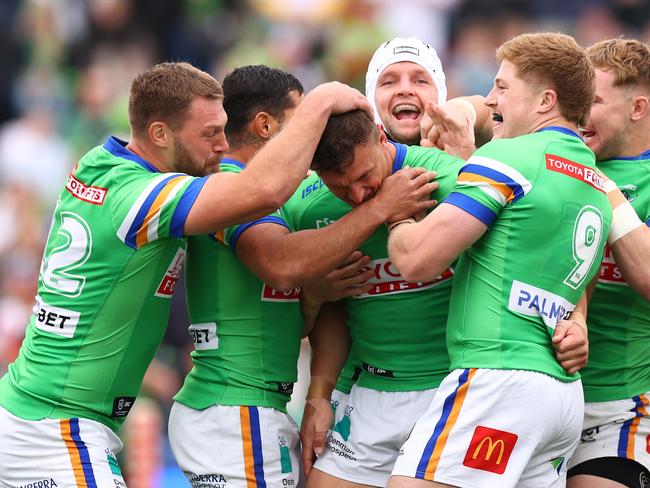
{"x": 529, "y": 218}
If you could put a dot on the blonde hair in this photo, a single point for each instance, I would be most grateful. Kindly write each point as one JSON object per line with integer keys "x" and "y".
{"x": 627, "y": 59}
{"x": 558, "y": 60}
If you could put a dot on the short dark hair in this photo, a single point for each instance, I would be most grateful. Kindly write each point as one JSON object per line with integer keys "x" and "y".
{"x": 165, "y": 91}
{"x": 249, "y": 90}
{"x": 342, "y": 134}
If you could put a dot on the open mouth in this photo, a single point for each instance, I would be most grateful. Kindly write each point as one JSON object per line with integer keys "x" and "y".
{"x": 587, "y": 134}
{"x": 497, "y": 117}
{"x": 406, "y": 111}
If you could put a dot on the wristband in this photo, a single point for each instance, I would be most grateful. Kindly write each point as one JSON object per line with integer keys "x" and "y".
{"x": 320, "y": 387}
{"x": 609, "y": 186}
{"x": 624, "y": 221}
{"x": 393, "y": 225}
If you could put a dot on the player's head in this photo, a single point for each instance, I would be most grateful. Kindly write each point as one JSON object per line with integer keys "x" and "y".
{"x": 542, "y": 77}
{"x": 352, "y": 157}
{"x": 177, "y": 109}
{"x": 620, "y": 109}
{"x": 258, "y": 100}
{"x": 403, "y": 75}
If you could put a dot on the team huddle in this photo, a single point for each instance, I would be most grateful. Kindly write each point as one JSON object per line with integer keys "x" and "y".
{"x": 478, "y": 310}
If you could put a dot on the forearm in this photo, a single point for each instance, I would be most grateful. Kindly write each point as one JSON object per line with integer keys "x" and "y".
{"x": 282, "y": 164}
{"x": 302, "y": 257}
{"x": 330, "y": 345}
{"x": 629, "y": 239}
{"x": 632, "y": 256}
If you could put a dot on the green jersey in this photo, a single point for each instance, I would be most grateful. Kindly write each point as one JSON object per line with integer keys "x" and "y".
{"x": 246, "y": 334}
{"x": 619, "y": 318}
{"x": 397, "y": 328}
{"x": 111, "y": 261}
{"x": 549, "y": 218}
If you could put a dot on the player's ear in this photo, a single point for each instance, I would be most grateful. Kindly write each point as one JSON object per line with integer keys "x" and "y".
{"x": 548, "y": 100}
{"x": 159, "y": 133}
{"x": 264, "y": 125}
{"x": 640, "y": 108}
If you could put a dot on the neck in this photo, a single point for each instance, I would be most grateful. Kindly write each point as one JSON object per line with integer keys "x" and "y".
{"x": 150, "y": 154}
{"x": 638, "y": 141}
{"x": 391, "y": 153}
{"x": 244, "y": 154}
{"x": 554, "y": 120}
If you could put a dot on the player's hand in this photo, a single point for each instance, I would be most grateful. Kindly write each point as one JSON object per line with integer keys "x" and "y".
{"x": 317, "y": 419}
{"x": 406, "y": 193}
{"x": 341, "y": 98}
{"x": 571, "y": 344}
{"x": 447, "y": 127}
{"x": 348, "y": 280}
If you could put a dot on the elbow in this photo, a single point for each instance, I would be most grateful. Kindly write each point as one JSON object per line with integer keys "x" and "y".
{"x": 282, "y": 281}
{"x": 643, "y": 286}
{"x": 273, "y": 195}
{"x": 415, "y": 271}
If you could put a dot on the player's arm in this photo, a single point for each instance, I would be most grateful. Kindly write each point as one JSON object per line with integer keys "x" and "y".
{"x": 330, "y": 344}
{"x": 287, "y": 260}
{"x": 629, "y": 240}
{"x": 422, "y": 250}
{"x": 275, "y": 172}
{"x": 467, "y": 115}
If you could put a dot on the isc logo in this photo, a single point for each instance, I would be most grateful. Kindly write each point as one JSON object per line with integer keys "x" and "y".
{"x": 490, "y": 449}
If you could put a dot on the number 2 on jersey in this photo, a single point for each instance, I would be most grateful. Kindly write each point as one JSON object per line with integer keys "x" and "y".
{"x": 70, "y": 254}
{"x": 587, "y": 236}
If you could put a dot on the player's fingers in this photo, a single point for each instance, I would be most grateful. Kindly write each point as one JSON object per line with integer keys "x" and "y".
{"x": 354, "y": 280}
{"x": 319, "y": 442}
{"x": 425, "y": 177}
{"x": 355, "y": 256}
{"x": 559, "y": 333}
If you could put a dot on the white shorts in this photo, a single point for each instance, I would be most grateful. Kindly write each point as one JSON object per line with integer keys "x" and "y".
{"x": 368, "y": 433}
{"x": 235, "y": 447}
{"x": 619, "y": 428}
{"x": 489, "y": 428}
{"x": 339, "y": 399}
{"x": 57, "y": 452}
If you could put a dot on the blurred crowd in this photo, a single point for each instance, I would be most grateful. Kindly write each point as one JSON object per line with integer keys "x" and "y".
{"x": 66, "y": 65}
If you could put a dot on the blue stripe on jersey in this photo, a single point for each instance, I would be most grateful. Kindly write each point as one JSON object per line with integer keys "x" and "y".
{"x": 497, "y": 176}
{"x": 257, "y": 446}
{"x": 440, "y": 425}
{"x": 564, "y": 130}
{"x": 640, "y": 157}
{"x": 472, "y": 207}
{"x": 191, "y": 193}
{"x": 400, "y": 155}
{"x": 144, "y": 210}
{"x": 234, "y": 162}
{"x": 117, "y": 147}
{"x": 269, "y": 219}
{"x": 83, "y": 454}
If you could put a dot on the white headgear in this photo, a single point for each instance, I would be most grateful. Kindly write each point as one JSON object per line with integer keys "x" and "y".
{"x": 404, "y": 49}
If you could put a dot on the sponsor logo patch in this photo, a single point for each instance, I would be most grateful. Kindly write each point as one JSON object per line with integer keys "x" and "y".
{"x": 204, "y": 336}
{"x": 537, "y": 302}
{"x": 609, "y": 272}
{"x": 272, "y": 295}
{"x": 122, "y": 406}
{"x": 89, "y": 194}
{"x": 56, "y": 320}
{"x": 168, "y": 283}
{"x": 44, "y": 483}
{"x": 575, "y": 170}
{"x": 406, "y": 49}
{"x": 387, "y": 280}
{"x": 490, "y": 449}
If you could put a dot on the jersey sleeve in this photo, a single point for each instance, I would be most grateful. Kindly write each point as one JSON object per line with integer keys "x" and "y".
{"x": 148, "y": 207}
{"x": 231, "y": 235}
{"x": 433, "y": 159}
{"x": 487, "y": 183}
